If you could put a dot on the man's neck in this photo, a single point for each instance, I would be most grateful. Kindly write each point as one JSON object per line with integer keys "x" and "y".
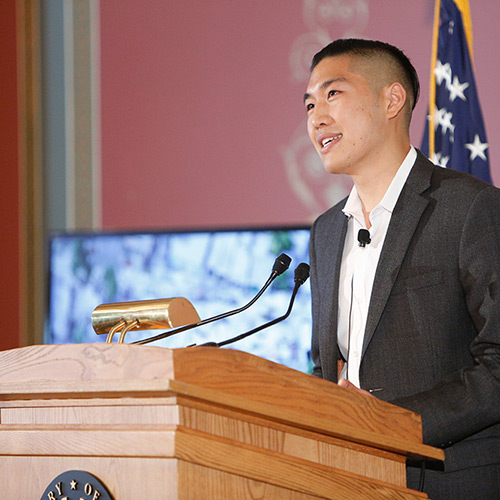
{"x": 372, "y": 183}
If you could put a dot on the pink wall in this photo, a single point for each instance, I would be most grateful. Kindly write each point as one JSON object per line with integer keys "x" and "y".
{"x": 202, "y": 119}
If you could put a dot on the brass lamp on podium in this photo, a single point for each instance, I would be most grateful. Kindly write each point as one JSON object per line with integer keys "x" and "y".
{"x": 142, "y": 315}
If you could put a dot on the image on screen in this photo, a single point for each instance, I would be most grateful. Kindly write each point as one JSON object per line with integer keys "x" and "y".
{"x": 217, "y": 271}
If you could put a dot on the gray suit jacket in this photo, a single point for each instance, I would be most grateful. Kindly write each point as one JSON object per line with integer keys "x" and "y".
{"x": 432, "y": 340}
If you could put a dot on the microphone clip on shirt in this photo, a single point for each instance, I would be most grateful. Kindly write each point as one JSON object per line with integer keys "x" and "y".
{"x": 364, "y": 237}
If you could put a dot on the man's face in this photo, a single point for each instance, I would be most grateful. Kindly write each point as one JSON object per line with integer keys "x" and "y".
{"x": 344, "y": 116}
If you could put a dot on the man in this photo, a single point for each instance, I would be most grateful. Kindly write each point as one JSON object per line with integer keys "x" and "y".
{"x": 405, "y": 272}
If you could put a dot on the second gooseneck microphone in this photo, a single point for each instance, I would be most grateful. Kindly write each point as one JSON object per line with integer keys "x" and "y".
{"x": 300, "y": 277}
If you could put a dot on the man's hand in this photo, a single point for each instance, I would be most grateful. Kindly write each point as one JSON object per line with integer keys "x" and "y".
{"x": 347, "y": 385}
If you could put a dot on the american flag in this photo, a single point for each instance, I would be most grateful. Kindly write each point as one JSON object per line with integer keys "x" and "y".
{"x": 454, "y": 135}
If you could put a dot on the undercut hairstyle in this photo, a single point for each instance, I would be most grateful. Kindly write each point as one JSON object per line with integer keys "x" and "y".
{"x": 370, "y": 49}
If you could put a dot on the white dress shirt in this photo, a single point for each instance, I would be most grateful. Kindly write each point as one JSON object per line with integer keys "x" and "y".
{"x": 358, "y": 267}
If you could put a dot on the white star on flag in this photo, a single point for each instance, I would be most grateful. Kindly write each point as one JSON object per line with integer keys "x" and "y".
{"x": 477, "y": 148}
{"x": 457, "y": 89}
{"x": 438, "y": 116}
{"x": 442, "y": 118}
{"x": 442, "y": 72}
{"x": 441, "y": 160}
{"x": 446, "y": 124}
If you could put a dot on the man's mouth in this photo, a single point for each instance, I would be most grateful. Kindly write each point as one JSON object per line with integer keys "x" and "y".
{"x": 328, "y": 140}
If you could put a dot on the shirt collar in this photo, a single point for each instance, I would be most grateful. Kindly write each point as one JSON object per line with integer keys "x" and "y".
{"x": 353, "y": 206}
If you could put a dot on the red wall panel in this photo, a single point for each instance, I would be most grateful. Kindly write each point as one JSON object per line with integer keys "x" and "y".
{"x": 9, "y": 185}
{"x": 201, "y": 105}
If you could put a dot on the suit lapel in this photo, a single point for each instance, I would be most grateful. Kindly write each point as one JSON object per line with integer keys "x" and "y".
{"x": 329, "y": 314}
{"x": 404, "y": 221}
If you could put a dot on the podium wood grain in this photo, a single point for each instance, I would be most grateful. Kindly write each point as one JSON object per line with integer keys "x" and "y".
{"x": 220, "y": 422}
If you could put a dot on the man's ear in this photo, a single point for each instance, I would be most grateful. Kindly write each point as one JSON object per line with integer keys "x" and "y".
{"x": 395, "y": 99}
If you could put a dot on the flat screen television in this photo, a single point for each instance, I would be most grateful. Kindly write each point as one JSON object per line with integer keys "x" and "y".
{"x": 217, "y": 270}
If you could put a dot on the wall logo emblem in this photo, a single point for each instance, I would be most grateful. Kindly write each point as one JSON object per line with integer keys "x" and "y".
{"x": 325, "y": 20}
{"x": 76, "y": 485}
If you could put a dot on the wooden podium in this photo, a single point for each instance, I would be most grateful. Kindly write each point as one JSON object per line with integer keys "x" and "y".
{"x": 197, "y": 423}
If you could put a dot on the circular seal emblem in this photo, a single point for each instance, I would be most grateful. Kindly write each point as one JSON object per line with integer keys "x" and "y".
{"x": 76, "y": 485}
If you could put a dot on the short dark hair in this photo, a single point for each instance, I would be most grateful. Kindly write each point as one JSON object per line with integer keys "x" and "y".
{"x": 369, "y": 48}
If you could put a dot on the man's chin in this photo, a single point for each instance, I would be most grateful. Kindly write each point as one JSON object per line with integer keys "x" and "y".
{"x": 334, "y": 168}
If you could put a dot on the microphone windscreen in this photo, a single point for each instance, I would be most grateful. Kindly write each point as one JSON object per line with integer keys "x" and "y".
{"x": 281, "y": 264}
{"x": 301, "y": 273}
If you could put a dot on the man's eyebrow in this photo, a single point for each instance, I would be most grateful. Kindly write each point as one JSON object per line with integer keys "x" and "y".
{"x": 326, "y": 84}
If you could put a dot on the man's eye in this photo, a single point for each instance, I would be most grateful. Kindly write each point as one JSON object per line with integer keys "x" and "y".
{"x": 309, "y": 106}
{"x": 332, "y": 93}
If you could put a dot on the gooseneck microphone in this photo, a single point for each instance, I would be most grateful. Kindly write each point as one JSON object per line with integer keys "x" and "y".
{"x": 300, "y": 277}
{"x": 281, "y": 264}
{"x": 364, "y": 237}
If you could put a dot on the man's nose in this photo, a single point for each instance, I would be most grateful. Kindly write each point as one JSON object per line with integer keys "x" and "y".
{"x": 321, "y": 115}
